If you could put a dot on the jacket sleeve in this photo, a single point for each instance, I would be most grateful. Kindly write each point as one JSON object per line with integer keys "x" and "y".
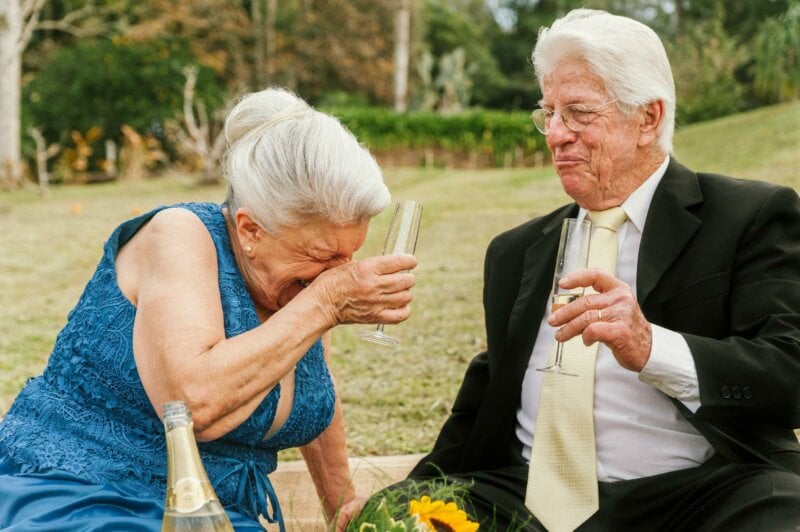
{"x": 752, "y": 374}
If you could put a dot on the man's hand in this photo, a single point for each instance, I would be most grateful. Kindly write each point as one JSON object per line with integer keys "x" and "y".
{"x": 611, "y": 316}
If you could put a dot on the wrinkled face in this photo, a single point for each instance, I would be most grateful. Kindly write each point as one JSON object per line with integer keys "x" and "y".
{"x": 283, "y": 264}
{"x": 599, "y": 166}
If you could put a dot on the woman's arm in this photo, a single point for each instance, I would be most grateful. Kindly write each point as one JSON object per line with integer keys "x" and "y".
{"x": 326, "y": 458}
{"x": 169, "y": 271}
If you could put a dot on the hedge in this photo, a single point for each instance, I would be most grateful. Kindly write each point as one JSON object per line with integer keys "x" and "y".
{"x": 496, "y": 133}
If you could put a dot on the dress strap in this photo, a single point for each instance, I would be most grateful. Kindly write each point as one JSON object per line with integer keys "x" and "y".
{"x": 254, "y": 491}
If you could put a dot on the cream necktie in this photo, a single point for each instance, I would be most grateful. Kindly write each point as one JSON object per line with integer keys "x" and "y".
{"x": 562, "y": 478}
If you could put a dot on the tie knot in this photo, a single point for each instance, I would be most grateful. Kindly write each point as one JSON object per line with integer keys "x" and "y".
{"x": 610, "y": 219}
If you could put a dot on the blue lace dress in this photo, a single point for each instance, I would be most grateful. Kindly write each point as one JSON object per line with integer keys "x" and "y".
{"x": 82, "y": 447}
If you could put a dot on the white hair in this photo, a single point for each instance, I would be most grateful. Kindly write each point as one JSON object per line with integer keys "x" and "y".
{"x": 626, "y": 54}
{"x": 286, "y": 162}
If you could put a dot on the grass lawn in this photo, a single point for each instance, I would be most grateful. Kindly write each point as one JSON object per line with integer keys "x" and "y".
{"x": 395, "y": 398}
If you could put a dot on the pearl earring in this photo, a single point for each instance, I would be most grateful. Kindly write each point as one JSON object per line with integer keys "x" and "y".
{"x": 248, "y": 249}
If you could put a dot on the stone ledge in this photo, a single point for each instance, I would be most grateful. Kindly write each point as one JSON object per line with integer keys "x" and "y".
{"x": 299, "y": 502}
{"x": 301, "y": 508}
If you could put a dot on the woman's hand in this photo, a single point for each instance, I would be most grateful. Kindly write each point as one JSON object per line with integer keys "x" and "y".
{"x": 346, "y": 513}
{"x": 373, "y": 290}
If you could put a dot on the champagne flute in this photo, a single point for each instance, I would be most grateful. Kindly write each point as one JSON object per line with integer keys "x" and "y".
{"x": 402, "y": 238}
{"x": 573, "y": 255}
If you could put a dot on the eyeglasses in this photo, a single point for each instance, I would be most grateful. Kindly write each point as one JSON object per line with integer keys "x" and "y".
{"x": 576, "y": 117}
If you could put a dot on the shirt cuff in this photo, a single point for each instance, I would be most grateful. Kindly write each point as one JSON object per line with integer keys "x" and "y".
{"x": 671, "y": 367}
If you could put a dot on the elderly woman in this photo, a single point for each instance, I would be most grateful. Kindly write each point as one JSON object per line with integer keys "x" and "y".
{"x": 227, "y": 307}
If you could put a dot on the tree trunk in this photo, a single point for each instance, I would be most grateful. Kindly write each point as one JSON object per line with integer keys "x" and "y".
{"x": 259, "y": 36}
{"x": 680, "y": 18}
{"x": 42, "y": 154}
{"x": 10, "y": 72}
{"x": 269, "y": 37}
{"x": 402, "y": 25}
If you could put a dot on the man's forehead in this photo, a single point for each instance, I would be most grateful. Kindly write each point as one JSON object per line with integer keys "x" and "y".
{"x": 568, "y": 94}
{"x": 570, "y": 83}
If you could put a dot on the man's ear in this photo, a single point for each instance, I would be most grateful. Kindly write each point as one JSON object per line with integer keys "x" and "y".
{"x": 652, "y": 119}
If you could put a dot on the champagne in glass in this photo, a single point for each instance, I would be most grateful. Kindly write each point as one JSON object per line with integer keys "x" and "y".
{"x": 573, "y": 255}
{"x": 402, "y": 238}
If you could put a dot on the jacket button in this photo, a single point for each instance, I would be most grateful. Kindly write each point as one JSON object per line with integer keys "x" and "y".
{"x": 747, "y": 392}
{"x": 725, "y": 392}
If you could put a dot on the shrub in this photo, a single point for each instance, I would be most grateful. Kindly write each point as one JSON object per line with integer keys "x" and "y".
{"x": 777, "y": 57}
{"x": 704, "y": 63}
{"x": 109, "y": 83}
{"x": 494, "y": 132}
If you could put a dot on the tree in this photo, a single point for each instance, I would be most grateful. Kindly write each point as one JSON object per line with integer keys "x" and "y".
{"x": 219, "y": 34}
{"x": 128, "y": 83}
{"x": 16, "y": 25}
{"x": 18, "y": 21}
{"x": 263, "y": 39}
{"x": 201, "y": 137}
{"x": 260, "y": 42}
{"x": 704, "y": 63}
{"x": 740, "y": 20}
{"x": 402, "y": 50}
{"x": 270, "y": 37}
{"x": 512, "y": 45}
{"x": 340, "y": 44}
{"x": 470, "y": 25}
{"x": 777, "y": 56}
{"x": 43, "y": 153}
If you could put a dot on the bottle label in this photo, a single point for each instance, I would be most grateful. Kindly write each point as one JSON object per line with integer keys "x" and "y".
{"x": 189, "y": 495}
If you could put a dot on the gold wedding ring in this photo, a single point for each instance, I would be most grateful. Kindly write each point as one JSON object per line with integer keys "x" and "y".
{"x": 599, "y": 315}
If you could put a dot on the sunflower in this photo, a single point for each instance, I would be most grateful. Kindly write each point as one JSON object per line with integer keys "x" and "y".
{"x": 440, "y": 516}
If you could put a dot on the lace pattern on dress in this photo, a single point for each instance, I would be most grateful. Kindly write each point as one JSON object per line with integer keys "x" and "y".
{"x": 88, "y": 413}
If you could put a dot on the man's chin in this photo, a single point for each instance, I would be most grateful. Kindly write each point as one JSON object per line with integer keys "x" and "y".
{"x": 575, "y": 186}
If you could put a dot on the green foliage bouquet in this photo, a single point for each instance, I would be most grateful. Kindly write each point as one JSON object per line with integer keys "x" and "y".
{"x": 422, "y": 506}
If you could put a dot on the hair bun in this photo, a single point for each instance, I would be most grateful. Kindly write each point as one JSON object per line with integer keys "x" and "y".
{"x": 257, "y": 112}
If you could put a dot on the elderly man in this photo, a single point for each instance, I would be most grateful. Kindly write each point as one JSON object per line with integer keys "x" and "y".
{"x": 686, "y": 344}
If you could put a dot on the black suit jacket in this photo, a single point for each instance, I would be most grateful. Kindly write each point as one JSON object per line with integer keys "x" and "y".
{"x": 719, "y": 262}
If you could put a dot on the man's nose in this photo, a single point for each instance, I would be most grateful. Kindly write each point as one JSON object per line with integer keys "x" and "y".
{"x": 558, "y": 133}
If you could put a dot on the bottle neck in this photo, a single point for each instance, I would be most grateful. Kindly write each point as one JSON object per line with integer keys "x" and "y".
{"x": 187, "y": 483}
{"x": 176, "y": 413}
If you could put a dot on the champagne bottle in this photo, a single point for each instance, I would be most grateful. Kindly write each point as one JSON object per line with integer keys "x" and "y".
{"x": 191, "y": 504}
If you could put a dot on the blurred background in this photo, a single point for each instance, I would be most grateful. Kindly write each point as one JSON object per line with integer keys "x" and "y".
{"x": 95, "y": 90}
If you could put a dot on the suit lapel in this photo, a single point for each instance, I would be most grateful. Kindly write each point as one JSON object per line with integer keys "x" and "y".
{"x": 669, "y": 226}
{"x": 497, "y": 416}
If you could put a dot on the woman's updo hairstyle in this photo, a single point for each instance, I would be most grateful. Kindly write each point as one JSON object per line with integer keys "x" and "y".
{"x": 286, "y": 162}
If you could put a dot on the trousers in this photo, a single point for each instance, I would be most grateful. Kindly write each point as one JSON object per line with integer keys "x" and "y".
{"x": 717, "y": 495}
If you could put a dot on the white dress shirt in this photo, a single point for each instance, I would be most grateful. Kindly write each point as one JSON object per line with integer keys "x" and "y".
{"x": 638, "y": 431}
